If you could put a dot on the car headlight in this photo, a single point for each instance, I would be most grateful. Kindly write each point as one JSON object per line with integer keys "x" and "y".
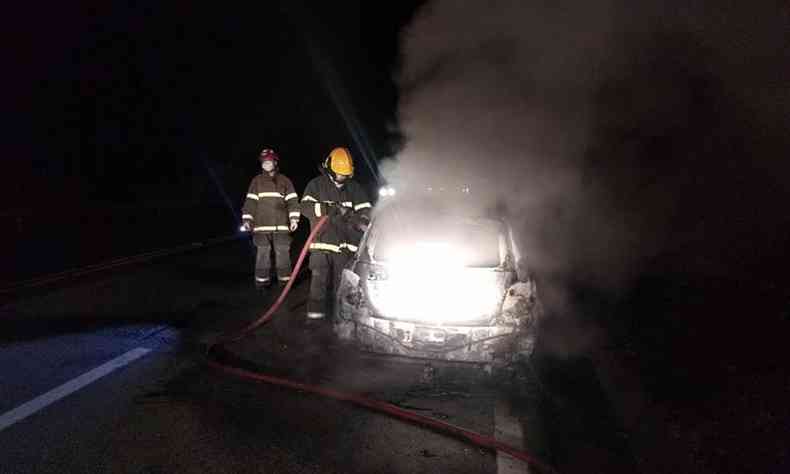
{"x": 386, "y": 191}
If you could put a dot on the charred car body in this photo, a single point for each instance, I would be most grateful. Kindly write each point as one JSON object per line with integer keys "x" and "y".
{"x": 432, "y": 283}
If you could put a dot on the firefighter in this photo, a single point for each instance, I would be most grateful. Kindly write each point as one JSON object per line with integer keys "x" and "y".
{"x": 336, "y": 195}
{"x": 271, "y": 212}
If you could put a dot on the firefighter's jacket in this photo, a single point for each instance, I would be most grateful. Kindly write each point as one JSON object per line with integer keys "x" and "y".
{"x": 340, "y": 233}
{"x": 270, "y": 203}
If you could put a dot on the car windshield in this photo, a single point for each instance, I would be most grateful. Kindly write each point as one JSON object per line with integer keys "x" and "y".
{"x": 469, "y": 242}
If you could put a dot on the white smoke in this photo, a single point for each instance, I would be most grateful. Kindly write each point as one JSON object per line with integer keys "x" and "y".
{"x": 506, "y": 96}
{"x": 496, "y": 95}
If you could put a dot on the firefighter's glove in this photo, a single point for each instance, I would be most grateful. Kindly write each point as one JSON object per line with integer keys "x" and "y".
{"x": 359, "y": 222}
{"x": 294, "y": 224}
{"x": 246, "y": 226}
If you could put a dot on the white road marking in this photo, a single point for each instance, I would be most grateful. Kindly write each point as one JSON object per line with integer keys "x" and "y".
{"x": 508, "y": 430}
{"x": 42, "y": 401}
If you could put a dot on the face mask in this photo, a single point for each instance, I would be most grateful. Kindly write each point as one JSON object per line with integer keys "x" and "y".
{"x": 268, "y": 166}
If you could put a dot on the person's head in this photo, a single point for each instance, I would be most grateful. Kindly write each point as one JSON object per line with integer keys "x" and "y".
{"x": 339, "y": 165}
{"x": 269, "y": 160}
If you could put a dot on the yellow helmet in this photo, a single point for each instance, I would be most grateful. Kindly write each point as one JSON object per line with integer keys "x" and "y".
{"x": 339, "y": 162}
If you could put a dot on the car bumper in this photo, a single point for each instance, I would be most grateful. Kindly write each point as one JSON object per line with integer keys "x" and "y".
{"x": 476, "y": 344}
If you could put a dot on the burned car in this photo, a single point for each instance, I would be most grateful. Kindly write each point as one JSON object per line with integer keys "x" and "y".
{"x": 432, "y": 283}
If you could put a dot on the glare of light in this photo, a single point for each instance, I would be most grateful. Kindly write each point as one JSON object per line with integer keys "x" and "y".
{"x": 242, "y": 229}
{"x": 387, "y": 191}
{"x": 429, "y": 282}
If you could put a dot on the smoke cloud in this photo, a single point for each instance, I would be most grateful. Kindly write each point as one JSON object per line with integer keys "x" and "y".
{"x": 612, "y": 132}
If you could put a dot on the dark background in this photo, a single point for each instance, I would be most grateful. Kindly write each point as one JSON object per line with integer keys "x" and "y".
{"x": 134, "y": 127}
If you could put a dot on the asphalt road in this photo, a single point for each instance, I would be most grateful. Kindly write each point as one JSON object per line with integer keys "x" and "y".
{"x": 107, "y": 375}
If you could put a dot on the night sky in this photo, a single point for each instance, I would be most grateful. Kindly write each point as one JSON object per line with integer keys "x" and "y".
{"x": 124, "y": 111}
{"x": 122, "y": 103}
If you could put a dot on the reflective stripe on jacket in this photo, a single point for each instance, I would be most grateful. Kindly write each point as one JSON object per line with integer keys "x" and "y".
{"x": 270, "y": 203}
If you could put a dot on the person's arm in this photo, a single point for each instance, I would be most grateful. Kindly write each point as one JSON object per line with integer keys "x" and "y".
{"x": 357, "y": 217}
{"x": 362, "y": 206}
{"x": 292, "y": 203}
{"x": 250, "y": 206}
{"x": 310, "y": 205}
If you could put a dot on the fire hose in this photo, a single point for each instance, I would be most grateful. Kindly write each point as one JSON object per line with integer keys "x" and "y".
{"x": 388, "y": 409}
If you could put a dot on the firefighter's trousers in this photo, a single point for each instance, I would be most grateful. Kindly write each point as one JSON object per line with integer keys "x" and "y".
{"x": 267, "y": 242}
{"x": 326, "y": 268}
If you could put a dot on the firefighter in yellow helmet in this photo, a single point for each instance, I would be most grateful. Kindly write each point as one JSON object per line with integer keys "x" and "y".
{"x": 336, "y": 195}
